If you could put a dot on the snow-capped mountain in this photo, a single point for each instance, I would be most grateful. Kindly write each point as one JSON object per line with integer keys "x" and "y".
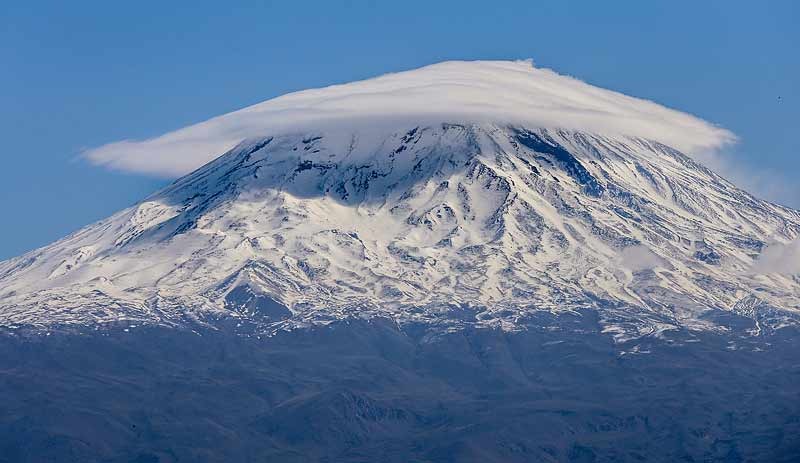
{"x": 450, "y": 220}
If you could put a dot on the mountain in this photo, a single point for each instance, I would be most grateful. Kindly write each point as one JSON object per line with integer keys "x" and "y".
{"x": 451, "y": 223}
{"x": 488, "y": 217}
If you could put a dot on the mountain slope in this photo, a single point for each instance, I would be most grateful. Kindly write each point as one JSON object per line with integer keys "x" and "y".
{"x": 450, "y": 224}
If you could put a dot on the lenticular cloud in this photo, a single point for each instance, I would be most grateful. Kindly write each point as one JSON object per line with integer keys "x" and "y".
{"x": 503, "y": 92}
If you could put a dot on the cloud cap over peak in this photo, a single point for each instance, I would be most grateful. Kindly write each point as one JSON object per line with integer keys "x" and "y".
{"x": 505, "y": 92}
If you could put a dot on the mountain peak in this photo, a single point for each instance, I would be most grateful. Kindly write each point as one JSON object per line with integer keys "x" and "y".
{"x": 447, "y": 224}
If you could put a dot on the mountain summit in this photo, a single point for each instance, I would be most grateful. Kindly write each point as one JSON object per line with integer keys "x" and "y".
{"x": 457, "y": 194}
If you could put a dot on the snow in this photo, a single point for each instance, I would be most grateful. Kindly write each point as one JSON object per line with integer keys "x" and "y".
{"x": 408, "y": 221}
{"x": 458, "y": 92}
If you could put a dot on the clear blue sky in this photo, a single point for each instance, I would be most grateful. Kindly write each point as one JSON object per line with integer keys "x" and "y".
{"x": 81, "y": 74}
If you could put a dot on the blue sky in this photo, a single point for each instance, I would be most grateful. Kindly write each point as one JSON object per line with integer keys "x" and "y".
{"x": 82, "y": 74}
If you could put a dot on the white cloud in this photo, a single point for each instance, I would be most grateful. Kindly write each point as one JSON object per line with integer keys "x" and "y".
{"x": 454, "y": 91}
{"x": 779, "y": 258}
{"x": 639, "y": 257}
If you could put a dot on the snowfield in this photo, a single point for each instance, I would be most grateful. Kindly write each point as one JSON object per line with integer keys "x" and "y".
{"x": 489, "y": 193}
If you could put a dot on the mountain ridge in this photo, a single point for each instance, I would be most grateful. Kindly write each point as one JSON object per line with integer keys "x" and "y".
{"x": 415, "y": 224}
